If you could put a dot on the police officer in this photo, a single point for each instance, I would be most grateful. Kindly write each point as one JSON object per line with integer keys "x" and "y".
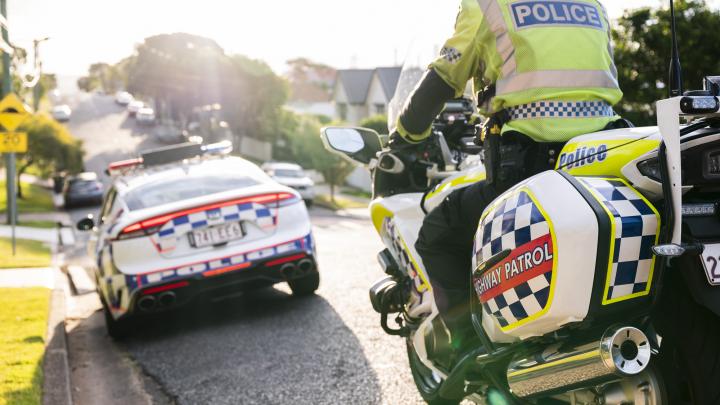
{"x": 545, "y": 73}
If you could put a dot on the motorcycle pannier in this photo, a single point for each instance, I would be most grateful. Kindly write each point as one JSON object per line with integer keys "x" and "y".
{"x": 556, "y": 250}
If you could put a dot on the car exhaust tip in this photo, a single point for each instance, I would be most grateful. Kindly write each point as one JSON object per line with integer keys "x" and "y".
{"x": 306, "y": 266}
{"x": 167, "y": 299}
{"x": 289, "y": 270}
{"x": 147, "y": 303}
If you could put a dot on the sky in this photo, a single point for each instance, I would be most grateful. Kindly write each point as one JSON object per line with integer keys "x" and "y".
{"x": 341, "y": 33}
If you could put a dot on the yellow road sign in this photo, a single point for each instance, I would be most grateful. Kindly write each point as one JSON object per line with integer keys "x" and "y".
{"x": 13, "y": 142}
{"x": 12, "y": 112}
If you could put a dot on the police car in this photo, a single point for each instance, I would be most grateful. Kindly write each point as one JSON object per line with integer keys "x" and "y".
{"x": 187, "y": 220}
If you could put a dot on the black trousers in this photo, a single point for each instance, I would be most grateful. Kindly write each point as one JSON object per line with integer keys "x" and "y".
{"x": 445, "y": 244}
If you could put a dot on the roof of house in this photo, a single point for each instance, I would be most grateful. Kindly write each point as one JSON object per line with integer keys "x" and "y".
{"x": 356, "y": 83}
{"x": 389, "y": 77}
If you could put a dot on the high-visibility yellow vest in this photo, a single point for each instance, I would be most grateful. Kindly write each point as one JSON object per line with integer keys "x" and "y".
{"x": 551, "y": 62}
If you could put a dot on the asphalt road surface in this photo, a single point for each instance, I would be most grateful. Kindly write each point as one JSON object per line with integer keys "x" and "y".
{"x": 265, "y": 347}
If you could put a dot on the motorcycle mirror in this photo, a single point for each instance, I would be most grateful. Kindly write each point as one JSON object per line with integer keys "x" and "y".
{"x": 357, "y": 144}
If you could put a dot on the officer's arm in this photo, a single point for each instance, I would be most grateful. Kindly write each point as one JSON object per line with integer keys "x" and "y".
{"x": 446, "y": 78}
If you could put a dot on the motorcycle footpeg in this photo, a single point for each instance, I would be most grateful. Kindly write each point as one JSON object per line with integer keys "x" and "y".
{"x": 380, "y": 293}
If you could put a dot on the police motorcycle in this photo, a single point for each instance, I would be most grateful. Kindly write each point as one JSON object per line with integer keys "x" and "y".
{"x": 596, "y": 283}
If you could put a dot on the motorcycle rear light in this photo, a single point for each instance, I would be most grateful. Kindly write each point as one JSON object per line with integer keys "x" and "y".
{"x": 153, "y": 225}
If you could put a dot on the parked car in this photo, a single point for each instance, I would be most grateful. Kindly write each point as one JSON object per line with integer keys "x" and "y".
{"x": 123, "y": 98}
{"x": 145, "y": 116}
{"x": 134, "y": 107}
{"x": 292, "y": 175}
{"x": 83, "y": 189}
{"x": 187, "y": 221}
{"x": 61, "y": 112}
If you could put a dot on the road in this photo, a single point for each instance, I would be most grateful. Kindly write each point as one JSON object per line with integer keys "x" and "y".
{"x": 265, "y": 347}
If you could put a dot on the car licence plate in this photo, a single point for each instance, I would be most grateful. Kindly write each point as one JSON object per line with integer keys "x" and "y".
{"x": 711, "y": 262}
{"x": 216, "y": 235}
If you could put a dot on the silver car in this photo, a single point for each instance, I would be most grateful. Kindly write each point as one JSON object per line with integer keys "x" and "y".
{"x": 292, "y": 175}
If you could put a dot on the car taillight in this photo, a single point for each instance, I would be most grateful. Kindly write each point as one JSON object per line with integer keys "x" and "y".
{"x": 153, "y": 225}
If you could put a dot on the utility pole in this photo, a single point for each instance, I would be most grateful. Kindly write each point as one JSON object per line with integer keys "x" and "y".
{"x": 6, "y": 89}
{"x": 38, "y": 72}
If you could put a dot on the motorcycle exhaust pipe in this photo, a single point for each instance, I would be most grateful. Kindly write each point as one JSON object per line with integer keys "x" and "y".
{"x": 288, "y": 270}
{"x": 147, "y": 303}
{"x": 167, "y": 299}
{"x": 305, "y": 266}
{"x": 622, "y": 352}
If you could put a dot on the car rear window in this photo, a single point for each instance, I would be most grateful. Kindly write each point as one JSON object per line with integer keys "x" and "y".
{"x": 84, "y": 185}
{"x": 168, "y": 191}
{"x": 289, "y": 173}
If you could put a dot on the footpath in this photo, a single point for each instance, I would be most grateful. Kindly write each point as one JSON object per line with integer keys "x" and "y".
{"x": 32, "y": 295}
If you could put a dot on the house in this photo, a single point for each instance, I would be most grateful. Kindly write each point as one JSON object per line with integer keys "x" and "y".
{"x": 361, "y": 93}
{"x": 311, "y": 87}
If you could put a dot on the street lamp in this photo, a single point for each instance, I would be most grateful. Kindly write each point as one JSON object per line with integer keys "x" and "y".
{"x": 38, "y": 72}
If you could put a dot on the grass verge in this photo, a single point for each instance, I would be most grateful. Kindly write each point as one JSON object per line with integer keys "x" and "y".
{"x": 29, "y": 253}
{"x": 35, "y": 199}
{"x": 39, "y": 224}
{"x": 340, "y": 203}
{"x": 23, "y": 316}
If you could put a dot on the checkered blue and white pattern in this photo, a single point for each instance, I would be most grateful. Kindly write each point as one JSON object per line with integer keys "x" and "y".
{"x": 521, "y": 302}
{"x": 452, "y": 55}
{"x": 636, "y": 231}
{"x": 561, "y": 109}
{"x": 400, "y": 254}
{"x": 261, "y": 215}
{"x": 511, "y": 224}
{"x": 515, "y": 222}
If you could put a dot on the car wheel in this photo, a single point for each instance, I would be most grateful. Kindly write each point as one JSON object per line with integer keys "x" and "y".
{"x": 117, "y": 329}
{"x": 305, "y": 285}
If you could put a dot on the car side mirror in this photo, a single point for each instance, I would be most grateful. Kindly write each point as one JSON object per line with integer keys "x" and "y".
{"x": 358, "y": 144}
{"x": 86, "y": 224}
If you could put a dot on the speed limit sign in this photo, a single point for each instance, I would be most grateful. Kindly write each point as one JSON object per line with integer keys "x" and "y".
{"x": 13, "y": 142}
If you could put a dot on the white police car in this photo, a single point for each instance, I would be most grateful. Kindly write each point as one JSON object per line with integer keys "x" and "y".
{"x": 188, "y": 220}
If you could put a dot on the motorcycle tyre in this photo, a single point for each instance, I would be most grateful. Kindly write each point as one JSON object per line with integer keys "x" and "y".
{"x": 691, "y": 359}
{"x": 427, "y": 386}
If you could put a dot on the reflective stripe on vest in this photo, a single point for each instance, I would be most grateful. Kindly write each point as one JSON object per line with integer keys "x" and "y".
{"x": 494, "y": 17}
{"x": 561, "y": 109}
{"x": 512, "y": 81}
{"x": 556, "y": 79}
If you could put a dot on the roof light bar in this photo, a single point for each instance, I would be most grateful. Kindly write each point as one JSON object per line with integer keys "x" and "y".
{"x": 170, "y": 154}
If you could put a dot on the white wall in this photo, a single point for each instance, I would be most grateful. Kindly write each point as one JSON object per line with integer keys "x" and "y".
{"x": 255, "y": 149}
{"x": 360, "y": 178}
{"x": 326, "y": 108}
{"x": 376, "y": 95}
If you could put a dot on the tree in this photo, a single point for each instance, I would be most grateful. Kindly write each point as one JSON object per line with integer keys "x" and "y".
{"x": 642, "y": 54}
{"x": 378, "y": 123}
{"x": 308, "y": 150}
{"x": 51, "y": 148}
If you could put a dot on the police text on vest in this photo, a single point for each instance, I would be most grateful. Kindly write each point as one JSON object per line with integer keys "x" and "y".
{"x": 542, "y": 12}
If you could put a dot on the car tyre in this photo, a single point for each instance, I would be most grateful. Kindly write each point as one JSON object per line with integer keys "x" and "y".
{"x": 117, "y": 329}
{"x": 305, "y": 285}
